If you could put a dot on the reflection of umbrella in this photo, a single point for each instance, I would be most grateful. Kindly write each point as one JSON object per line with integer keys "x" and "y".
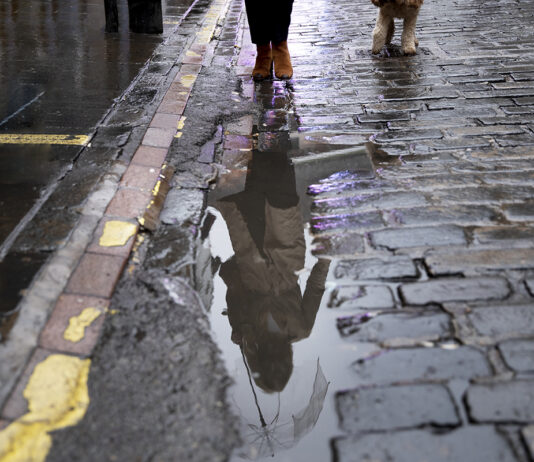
{"x": 267, "y": 437}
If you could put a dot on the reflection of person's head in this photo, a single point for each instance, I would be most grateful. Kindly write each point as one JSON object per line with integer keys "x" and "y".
{"x": 270, "y": 358}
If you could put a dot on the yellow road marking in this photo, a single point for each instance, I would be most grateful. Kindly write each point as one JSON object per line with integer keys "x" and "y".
{"x": 57, "y": 397}
{"x": 116, "y": 233}
{"x": 75, "y": 140}
{"x": 77, "y": 324}
{"x": 188, "y": 80}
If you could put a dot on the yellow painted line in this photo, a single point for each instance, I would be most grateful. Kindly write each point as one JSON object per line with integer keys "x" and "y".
{"x": 57, "y": 397}
{"x": 188, "y": 80}
{"x": 181, "y": 123}
{"x": 77, "y": 324}
{"x": 116, "y": 233}
{"x": 75, "y": 140}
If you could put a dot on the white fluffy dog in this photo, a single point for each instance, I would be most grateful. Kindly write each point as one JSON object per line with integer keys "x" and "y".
{"x": 385, "y": 27}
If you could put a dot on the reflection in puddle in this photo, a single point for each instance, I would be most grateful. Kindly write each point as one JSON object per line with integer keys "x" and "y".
{"x": 270, "y": 293}
{"x": 266, "y": 291}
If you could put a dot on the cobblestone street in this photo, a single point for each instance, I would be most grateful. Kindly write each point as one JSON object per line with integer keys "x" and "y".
{"x": 429, "y": 240}
{"x": 434, "y": 257}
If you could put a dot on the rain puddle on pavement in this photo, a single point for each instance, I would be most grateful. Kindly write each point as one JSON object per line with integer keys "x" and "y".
{"x": 268, "y": 305}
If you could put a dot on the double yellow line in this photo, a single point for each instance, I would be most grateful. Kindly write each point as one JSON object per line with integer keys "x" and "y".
{"x": 73, "y": 140}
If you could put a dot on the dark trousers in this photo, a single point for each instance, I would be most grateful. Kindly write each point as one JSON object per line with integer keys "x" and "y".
{"x": 268, "y": 20}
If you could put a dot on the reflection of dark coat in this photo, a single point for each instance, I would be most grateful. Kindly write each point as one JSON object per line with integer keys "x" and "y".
{"x": 266, "y": 308}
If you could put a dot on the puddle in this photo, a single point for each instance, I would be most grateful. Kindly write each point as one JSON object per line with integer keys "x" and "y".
{"x": 268, "y": 296}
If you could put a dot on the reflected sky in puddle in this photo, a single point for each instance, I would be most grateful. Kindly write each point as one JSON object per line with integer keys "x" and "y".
{"x": 268, "y": 295}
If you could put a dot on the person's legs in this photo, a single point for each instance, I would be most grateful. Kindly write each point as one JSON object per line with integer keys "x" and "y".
{"x": 258, "y": 21}
{"x": 280, "y": 20}
{"x": 269, "y": 23}
{"x": 260, "y": 36}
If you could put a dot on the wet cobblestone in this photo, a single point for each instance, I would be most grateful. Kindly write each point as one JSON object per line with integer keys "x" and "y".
{"x": 389, "y": 408}
{"x": 454, "y": 190}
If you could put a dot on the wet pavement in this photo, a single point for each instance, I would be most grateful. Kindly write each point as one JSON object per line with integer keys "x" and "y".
{"x": 60, "y": 75}
{"x": 353, "y": 246}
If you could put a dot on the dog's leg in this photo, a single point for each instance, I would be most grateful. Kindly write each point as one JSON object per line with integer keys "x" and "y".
{"x": 391, "y": 31}
{"x": 408, "y": 33}
{"x": 380, "y": 31}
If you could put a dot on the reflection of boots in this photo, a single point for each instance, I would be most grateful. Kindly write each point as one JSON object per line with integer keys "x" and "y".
{"x": 282, "y": 61}
{"x": 264, "y": 62}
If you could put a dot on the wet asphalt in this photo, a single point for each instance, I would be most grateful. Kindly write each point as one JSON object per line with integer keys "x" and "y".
{"x": 60, "y": 75}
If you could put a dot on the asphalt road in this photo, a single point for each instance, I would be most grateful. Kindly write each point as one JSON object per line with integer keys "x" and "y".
{"x": 60, "y": 75}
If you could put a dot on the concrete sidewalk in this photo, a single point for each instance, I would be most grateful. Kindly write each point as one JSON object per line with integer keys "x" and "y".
{"x": 433, "y": 259}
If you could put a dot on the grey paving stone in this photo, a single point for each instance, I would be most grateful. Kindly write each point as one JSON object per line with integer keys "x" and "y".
{"x": 483, "y": 194}
{"x": 410, "y": 135}
{"x": 502, "y": 234}
{"x": 506, "y": 321}
{"x": 399, "y": 407}
{"x": 530, "y": 286}
{"x": 359, "y": 201}
{"x": 346, "y": 221}
{"x": 518, "y": 354}
{"x": 418, "y": 237}
{"x": 469, "y": 444}
{"x": 338, "y": 244}
{"x": 454, "y": 263}
{"x": 450, "y": 290}
{"x": 492, "y": 130}
{"x": 183, "y": 206}
{"x": 417, "y": 364}
{"x": 511, "y": 402}
{"x": 444, "y": 215}
{"x": 520, "y": 212}
{"x": 366, "y": 297}
{"x": 401, "y": 329}
{"x": 374, "y": 268}
{"x": 528, "y": 437}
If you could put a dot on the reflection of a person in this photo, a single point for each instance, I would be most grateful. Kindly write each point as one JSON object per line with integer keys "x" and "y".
{"x": 266, "y": 308}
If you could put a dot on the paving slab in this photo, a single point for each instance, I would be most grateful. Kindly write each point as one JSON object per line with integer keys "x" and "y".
{"x": 399, "y": 329}
{"x": 470, "y": 444}
{"x": 510, "y": 402}
{"x": 528, "y": 436}
{"x": 395, "y": 408}
{"x": 418, "y": 237}
{"x": 449, "y": 290}
{"x": 375, "y": 268}
{"x": 518, "y": 354}
{"x": 67, "y": 311}
{"x": 366, "y": 297}
{"x": 462, "y": 262}
{"x": 418, "y": 364}
{"x": 503, "y": 321}
{"x": 96, "y": 275}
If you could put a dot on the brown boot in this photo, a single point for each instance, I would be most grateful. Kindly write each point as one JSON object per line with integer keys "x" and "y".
{"x": 282, "y": 61}
{"x": 264, "y": 63}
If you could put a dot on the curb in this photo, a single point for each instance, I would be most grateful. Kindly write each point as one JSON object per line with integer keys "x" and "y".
{"x": 82, "y": 275}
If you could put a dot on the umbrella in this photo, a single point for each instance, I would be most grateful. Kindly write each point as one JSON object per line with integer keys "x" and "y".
{"x": 265, "y": 439}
